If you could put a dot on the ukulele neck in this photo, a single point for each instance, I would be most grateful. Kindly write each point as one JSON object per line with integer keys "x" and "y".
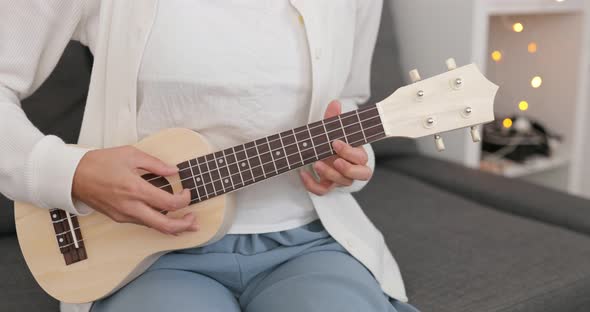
{"x": 231, "y": 169}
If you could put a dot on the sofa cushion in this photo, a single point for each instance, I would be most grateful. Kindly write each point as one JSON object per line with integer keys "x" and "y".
{"x": 18, "y": 289}
{"x": 509, "y": 195}
{"x": 457, "y": 255}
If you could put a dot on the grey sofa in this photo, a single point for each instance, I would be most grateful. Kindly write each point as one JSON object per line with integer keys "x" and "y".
{"x": 465, "y": 240}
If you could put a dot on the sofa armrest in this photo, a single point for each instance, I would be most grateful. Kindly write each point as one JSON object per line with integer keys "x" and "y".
{"x": 510, "y": 195}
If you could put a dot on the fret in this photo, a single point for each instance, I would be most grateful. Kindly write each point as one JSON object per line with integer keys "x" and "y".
{"x": 297, "y": 143}
{"x": 244, "y": 165}
{"x": 352, "y": 130}
{"x": 227, "y": 169}
{"x": 239, "y": 169}
{"x": 342, "y": 128}
{"x": 266, "y": 159}
{"x": 255, "y": 165}
{"x": 315, "y": 152}
{"x": 259, "y": 158}
{"x": 335, "y": 132}
{"x": 200, "y": 179}
{"x": 327, "y": 137}
{"x": 291, "y": 149}
{"x": 284, "y": 150}
{"x": 218, "y": 163}
{"x": 196, "y": 189}
{"x": 210, "y": 186}
{"x": 270, "y": 143}
{"x": 360, "y": 123}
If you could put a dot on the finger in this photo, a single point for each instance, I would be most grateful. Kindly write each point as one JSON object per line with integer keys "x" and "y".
{"x": 351, "y": 171}
{"x": 355, "y": 155}
{"x": 165, "y": 224}
{"x": 328, "y": 173}
{"x": 313, "y": 186}
{"x": 334, "y": 109}
{"x": 161, "y": 199}
{"x": 153, "y": 164}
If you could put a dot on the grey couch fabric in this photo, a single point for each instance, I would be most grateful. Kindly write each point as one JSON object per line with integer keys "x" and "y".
{"x": 18, "y": 290}
{"x": 509, "y": 195}
{"x": 458, "y": 255}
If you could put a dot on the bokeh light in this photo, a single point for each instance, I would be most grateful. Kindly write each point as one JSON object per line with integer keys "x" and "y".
{"x": 507, "y": 123}
{"x": 532, "y": 47}
{"x": 536, "y": 82}
{"x": 523, "y": 105}
{"x": 497, "y": 56}
{"x": 518, "y": 27}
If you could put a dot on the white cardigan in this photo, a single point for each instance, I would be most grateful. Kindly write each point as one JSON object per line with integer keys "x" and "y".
{"x": 39, "y": 169}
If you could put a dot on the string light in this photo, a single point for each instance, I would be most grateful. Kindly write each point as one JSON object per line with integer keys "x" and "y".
{"x": 532, "y": 47}
{"x": 507, "y": 123}
{"x": 536, "y": 82}
{"x": 523, "y": 105}
{"x": 497, "y": 56}
{"x": 518, "y": 27}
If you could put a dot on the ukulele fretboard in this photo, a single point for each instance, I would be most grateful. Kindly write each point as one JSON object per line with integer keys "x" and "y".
{"x": 239, "y": 166}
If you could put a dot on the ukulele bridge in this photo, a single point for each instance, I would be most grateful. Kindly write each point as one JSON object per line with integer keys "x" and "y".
{"x": 69, "y": 241}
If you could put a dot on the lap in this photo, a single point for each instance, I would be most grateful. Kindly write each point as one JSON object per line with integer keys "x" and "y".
{"x": 170, "y": 290}
{"x": 319, "y": 281}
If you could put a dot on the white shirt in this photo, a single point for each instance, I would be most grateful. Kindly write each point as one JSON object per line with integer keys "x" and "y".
{"x": 39, "y": 169}
{"x": 253, "y": 83}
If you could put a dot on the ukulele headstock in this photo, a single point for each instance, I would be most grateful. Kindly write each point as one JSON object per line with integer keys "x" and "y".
{"x": 459, "y": 98}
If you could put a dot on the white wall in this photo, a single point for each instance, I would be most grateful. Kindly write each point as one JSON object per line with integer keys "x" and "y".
{"x": 429, "y": 32}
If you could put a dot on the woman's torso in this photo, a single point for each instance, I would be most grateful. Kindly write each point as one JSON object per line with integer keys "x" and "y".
{"x": 234, "y": 71}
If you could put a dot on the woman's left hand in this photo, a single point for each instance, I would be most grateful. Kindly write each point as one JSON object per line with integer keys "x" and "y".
{"x": 349, "y": 164}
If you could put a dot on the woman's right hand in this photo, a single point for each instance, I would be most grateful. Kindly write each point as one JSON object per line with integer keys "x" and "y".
{"x": 109, "y": 181}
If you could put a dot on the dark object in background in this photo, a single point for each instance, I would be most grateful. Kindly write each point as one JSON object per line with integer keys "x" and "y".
{"x": 522, "y": 140}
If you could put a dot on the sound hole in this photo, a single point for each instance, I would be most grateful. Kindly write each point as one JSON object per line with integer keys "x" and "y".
{"x": 159, "y": 182}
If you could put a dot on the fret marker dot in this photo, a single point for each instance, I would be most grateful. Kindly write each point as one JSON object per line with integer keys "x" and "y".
{"x": 198, "y": 179}
{"x": 61, "y": 240}
{"x": 54, "y": 216}
{"x": 243, "y": 164}
{"x": 226, "y": 180}
{"x": 304, "y": 144}
{"x": 278, "y": 153}
{"x": 221, "y": 161}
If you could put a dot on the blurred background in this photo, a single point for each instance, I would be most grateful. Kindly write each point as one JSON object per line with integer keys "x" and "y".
{"x": 537, "y": 52}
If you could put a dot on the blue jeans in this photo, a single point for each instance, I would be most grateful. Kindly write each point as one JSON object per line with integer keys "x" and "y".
{"x": 303, "y": 269}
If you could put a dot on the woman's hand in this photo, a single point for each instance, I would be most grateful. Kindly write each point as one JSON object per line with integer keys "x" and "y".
{"x": 109, "y": 181}
{"x": 349, "y": 164}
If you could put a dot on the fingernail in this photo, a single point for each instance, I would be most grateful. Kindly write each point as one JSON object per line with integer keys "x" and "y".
{"x": 338, "y": 144}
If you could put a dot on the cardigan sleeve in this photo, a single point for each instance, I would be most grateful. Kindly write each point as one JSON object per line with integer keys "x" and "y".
{"x": 34, "y": 167}
{"x": 358, "y": 86}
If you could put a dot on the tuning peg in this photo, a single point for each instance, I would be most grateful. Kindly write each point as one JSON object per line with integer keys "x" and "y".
{"x": 451, "y": 64}
{"x": 415, "y": 75}
{"x": 440, "y": 144}
{"x": 475, "y": 136}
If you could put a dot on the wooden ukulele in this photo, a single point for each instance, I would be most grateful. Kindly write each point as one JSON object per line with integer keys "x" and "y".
{"x": 81, "y": 259}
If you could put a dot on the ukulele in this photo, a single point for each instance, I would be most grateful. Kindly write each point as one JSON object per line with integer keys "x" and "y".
{"x": 78, "y": 259}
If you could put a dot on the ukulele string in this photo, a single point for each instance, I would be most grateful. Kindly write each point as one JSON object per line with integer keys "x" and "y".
{"x": 294, "y": 143}
{"x": 179, "y": 182}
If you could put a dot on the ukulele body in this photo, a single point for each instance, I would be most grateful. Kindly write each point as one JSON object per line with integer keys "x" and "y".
{"x": 118, "y": 252}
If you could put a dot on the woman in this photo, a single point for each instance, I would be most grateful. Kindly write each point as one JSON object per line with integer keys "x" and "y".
{"x": 234, "y": 71}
